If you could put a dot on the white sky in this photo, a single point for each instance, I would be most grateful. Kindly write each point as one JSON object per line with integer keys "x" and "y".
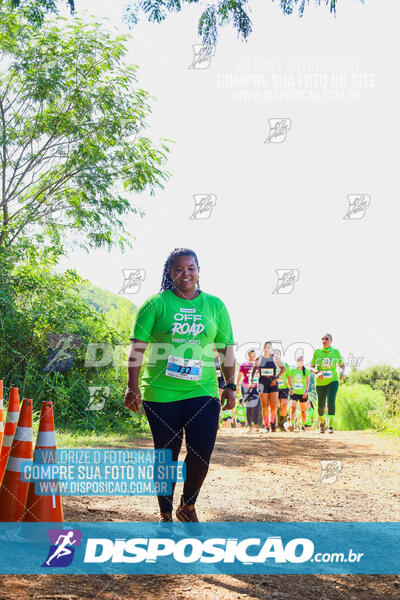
{"x": 279, "y": 205}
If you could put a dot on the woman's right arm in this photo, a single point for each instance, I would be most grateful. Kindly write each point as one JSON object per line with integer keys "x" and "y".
{"x": 239, "y": 378}
{"x": 254, "y": 370}
{"x": 135, "y": 359}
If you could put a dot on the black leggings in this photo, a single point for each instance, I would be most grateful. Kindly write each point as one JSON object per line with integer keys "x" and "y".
{"x": 199, "y": 418}
{"x": 327, "y": 392}
{"x": 253, "y": 414}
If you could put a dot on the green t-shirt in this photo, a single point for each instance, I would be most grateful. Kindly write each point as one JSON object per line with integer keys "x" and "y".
{"x": 241, "y": 413}
{"x": 327, "y": 361}
{"x": 227, "y": 414}
{"x": 309, "y": 416}
{"x": 181, "y": 335}
{"x": 283, "y": 381}
{"x": 299, "y": 380}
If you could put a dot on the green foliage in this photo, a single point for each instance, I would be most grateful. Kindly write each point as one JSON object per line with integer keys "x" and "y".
{"x": 381, "y": 377}
{"x": 385, "y": 380}
{"x": 388, "y": 425}
{"x": 36, "y": 10}
{"x": 356, "y": 407}
{"x": 36, "y": 305}
{"x": 215, "y": 15}
{"x": 103, "y": 300}
{"x": 72, "y": 148}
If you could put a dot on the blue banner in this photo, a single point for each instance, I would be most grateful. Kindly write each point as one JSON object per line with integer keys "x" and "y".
{"x": 200, "y": 548}
{"x": 103, "y": 472}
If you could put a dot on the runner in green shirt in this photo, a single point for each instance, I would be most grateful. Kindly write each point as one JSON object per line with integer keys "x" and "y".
{"x": 179, "y": 361}
{"x": 310, "y": 421}
{"x": 227, "y": 418}
{"x": 173, "y": 338}
{"x": 325, "y": 363}
{"x": 240, "y": 413}
{"x": 300, "y": 384}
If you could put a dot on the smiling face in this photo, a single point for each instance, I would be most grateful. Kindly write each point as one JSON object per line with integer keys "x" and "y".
{"x": 267, "y": 348}
{"x": 184, "y": 273}
{"x": 326, "y": 340}
{"x": 251, "y": 356}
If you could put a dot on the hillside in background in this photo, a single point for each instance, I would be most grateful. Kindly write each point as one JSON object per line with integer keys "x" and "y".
{"x": 103, "y": 300}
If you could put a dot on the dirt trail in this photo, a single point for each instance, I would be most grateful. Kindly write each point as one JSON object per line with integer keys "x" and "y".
{"x": 253, "y": 477}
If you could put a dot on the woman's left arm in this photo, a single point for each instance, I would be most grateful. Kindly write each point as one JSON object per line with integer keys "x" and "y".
{"x": 228, "y": 399}
{"x": 342, "y": 368}
{"x": 307, "y": 386}
{"x": 281, "y": 372}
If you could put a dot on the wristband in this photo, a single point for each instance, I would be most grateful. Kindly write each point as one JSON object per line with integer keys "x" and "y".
{"x": 230, "y": 386}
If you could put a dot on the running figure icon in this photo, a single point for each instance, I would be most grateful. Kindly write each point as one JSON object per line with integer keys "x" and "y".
{"x": 62, "y": 549}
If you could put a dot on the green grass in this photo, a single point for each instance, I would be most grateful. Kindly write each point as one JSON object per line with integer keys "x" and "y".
{"x": 93, "y": 439}
{"x": 357, "y": 407}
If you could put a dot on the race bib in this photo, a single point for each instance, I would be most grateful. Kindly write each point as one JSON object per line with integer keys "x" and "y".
{"x": 326, "y": 374}
{"x": 297, "y": 386}
{"x": 218, "y": 372}
{"x": 267, "y": 372}
{"x": 281, "y": 382}
{"x": 184, "y": 368}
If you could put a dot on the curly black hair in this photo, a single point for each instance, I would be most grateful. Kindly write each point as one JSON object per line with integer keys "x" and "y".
{"x": 166, "y": 281}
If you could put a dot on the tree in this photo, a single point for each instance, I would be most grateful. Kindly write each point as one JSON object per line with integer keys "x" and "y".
{"x": 72, "y": 148}
{"x": 215, "y": 15}
{"x": 35, "y": 10}
{"x": 47, "y": 326}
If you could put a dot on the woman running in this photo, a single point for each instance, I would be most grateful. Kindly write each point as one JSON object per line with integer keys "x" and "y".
{"x": 227, "y": 418}
{"x": 325, "y": 363}
{"x": 180, "y": 326}
{"x": 284, "y": 384}
{"x": 249, "y": 391}
{"x": 240, "y": 414}
{"x": 299, "y": 392}
{"x": 310, "y": 415}
{"x": 270, "y": 369}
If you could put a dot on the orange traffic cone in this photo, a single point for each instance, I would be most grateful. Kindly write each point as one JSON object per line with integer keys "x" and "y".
{"x": 46, "y": 509}
{"x": 10, "y": 427}
{"x": 1, "y": 411}
{"x": 13, "y": 490}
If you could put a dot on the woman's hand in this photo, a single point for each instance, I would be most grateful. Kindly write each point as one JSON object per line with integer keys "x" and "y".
{"x": 274, "y": 381}
{"x": 133, "y": 398}
{"x": 305, "y": 395}
{"x": 228, "y": 395}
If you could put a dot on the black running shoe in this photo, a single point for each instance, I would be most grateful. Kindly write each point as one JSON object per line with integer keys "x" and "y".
{"x": 273, "y": 426}
{"x": 166, "y": 517}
